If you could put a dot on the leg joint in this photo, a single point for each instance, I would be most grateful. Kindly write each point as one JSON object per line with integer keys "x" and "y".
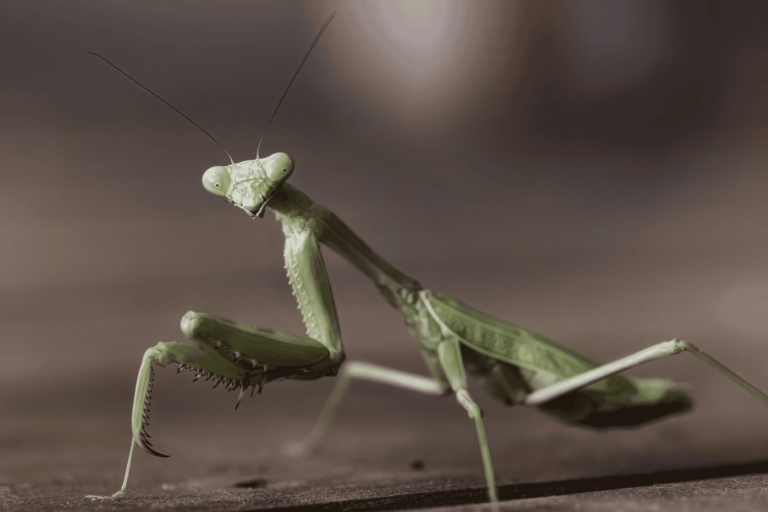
{"x": 474, "y": 411}
{"x": 683, "y": 346}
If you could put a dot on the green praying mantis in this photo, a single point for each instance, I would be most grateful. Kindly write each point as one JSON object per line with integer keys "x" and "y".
{"x": 517, "y": 366}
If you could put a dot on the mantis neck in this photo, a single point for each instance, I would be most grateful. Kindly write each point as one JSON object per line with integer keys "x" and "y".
{"x": 298, "y": 212}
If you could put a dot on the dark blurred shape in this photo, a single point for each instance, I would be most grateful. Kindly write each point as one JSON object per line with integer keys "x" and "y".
{"x": 578, "y": 410}
{"x": 251, "y": 484}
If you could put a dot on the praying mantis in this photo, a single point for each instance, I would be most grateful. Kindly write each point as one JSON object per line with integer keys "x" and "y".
{"x": 517, "y": 366}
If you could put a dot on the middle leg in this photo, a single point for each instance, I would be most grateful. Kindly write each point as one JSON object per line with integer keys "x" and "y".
{"x": 449, "y": 354}
{"x": 370, "y": 372}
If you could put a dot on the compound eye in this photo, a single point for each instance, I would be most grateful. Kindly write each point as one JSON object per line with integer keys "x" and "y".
{"x": 282, "y": 167}
{"x": 216, "y": 180}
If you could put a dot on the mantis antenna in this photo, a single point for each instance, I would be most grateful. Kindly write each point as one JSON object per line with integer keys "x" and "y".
{"x": 161, "y": 99}
{"x": 317, "y": 38}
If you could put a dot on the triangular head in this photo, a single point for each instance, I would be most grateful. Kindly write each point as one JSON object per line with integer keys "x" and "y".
{"x": 250, "y": 184}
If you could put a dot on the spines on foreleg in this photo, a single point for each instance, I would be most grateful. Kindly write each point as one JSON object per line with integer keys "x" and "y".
{"x": 201, "y": 360}
{"x": 142, "y": 400}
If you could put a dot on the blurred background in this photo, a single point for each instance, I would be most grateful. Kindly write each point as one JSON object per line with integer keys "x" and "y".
{"x": 594, "y": 170}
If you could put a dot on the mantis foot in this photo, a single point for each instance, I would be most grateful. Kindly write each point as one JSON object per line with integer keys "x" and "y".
{"x": 93, "y": 497}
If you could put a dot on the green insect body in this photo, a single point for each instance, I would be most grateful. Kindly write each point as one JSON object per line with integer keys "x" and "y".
{"x": 517, "y": 366}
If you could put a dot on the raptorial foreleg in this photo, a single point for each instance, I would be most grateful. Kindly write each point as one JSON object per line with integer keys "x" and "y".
{"x": 189, "y": 354}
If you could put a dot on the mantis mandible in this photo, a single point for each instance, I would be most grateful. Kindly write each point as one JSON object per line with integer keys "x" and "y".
{"x": 516, "y": 365}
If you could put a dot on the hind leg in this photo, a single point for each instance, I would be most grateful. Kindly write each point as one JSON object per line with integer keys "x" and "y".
{"x": 658, "y": 351}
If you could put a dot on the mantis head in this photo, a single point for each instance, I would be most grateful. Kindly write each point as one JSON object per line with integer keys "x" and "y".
{"x": 250, "y": 184}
